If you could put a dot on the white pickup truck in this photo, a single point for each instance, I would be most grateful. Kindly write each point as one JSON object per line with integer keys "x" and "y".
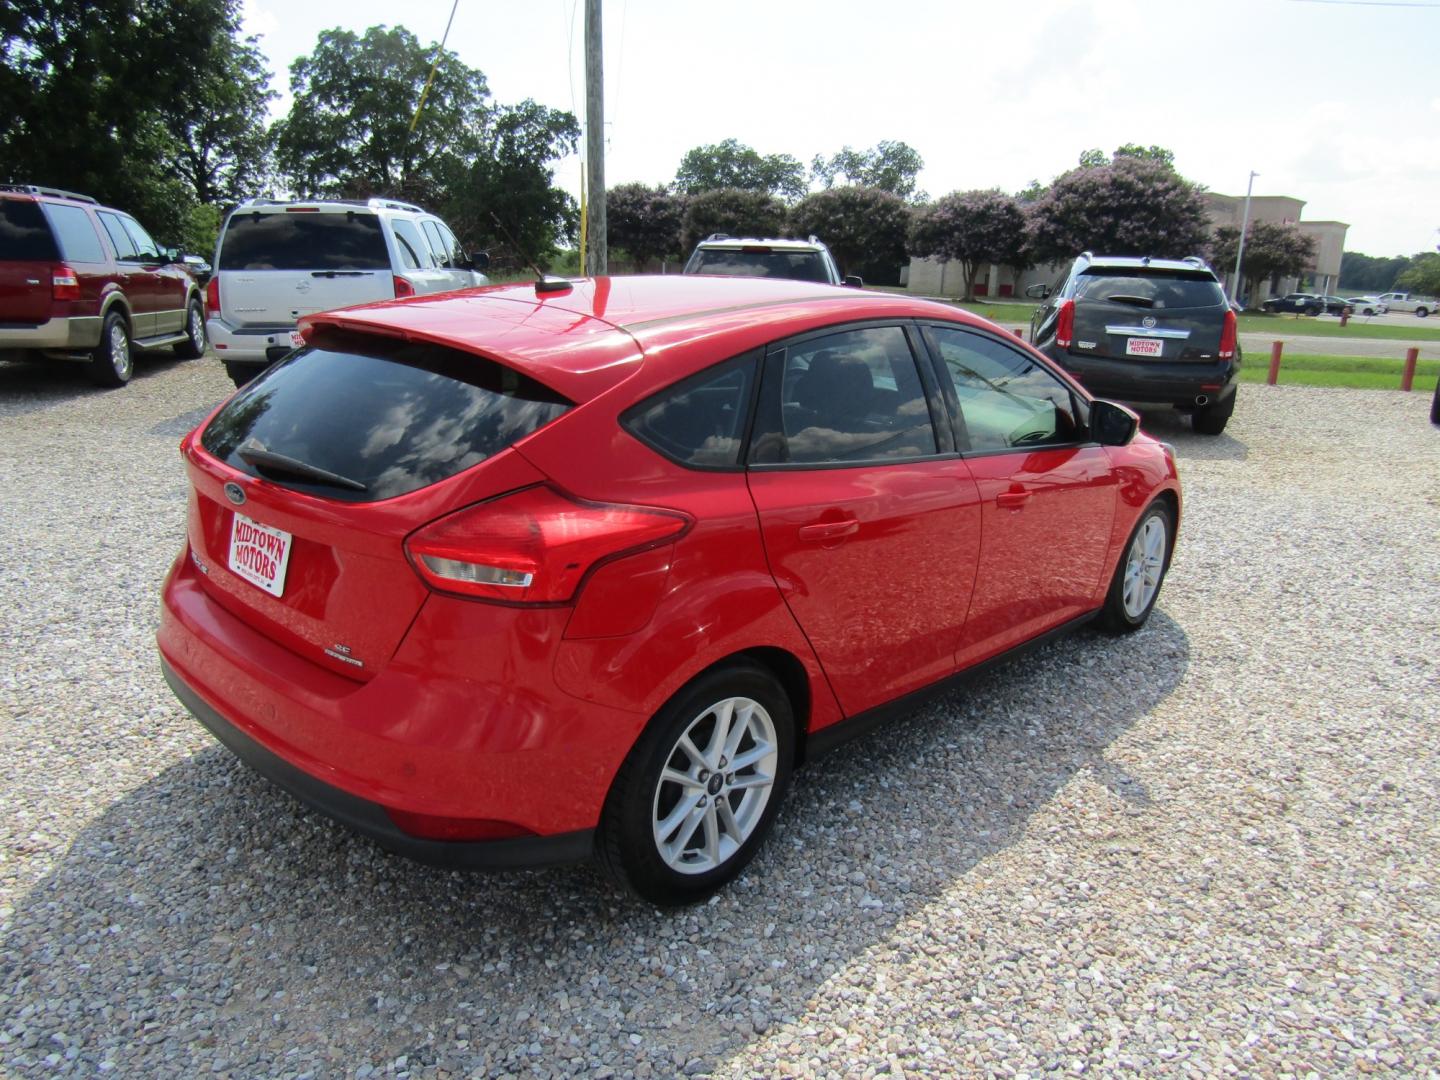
{"x": 1404, "y": 301}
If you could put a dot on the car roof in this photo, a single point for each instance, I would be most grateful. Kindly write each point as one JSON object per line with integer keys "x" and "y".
{"x": 326, "y": 206}
{"x": 730, "y": 242}
{"x": 1141, "y": 262}
{"x": 587, "y": 337}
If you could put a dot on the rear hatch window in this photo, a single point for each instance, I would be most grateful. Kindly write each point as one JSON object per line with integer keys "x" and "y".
{"x": 759, "y": 261}
{"x": 24, "y": 233}
{"x": 304, "y": 241}
{"x": 361, "y": 419}
{"x": 1159, "y": 289}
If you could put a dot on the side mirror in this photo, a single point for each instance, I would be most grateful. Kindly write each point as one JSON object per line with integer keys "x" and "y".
{"x": 1038, "y": 292}
{"x": 855, "y": 281}
{"x": 479, "y": 260}
{"x": 1112, "y": 424}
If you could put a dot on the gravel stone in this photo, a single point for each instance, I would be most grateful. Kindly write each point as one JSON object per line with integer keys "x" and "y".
{"x": 1211, "y": 847}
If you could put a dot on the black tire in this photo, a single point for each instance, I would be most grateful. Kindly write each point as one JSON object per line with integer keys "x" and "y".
{"x": 1211, "y": 419}
{"x": 112, "y": 362}
{"x": 240, "y": 374}
{"x": 1421, "y": 312}
{"x": 193, "y": 347}
{"x": 1116, "y": 617}
{"x": 640, "y": 799}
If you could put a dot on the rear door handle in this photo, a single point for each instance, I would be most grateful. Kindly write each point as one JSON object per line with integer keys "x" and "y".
{"x": 1012, "y": 500}
{"x": 829, "y": 530}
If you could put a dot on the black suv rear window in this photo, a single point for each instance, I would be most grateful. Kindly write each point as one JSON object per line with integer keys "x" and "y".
{"x": 24, "y": 233}
{"x": 303, "y": 241}
{"x": 381, "y": 417}
{"x": 1151, "y": 288}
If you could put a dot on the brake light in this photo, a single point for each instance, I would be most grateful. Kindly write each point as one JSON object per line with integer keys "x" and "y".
{"x": 64, "y": 283}
{"x": 1065, "y": 324}
{"x": 403, "y": 287}
{"x": 212, "y": 296}
{"x": 1228, "y": 335}
{"x": 534, "y": 546}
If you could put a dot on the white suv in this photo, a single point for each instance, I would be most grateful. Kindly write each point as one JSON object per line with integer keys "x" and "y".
{"x": 799, "y": 260}
{"x": 277, "y": 261}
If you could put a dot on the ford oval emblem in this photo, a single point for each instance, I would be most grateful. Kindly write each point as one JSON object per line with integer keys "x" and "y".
{"x": 1148, "y": 322}
{"x": 235, "y": 493}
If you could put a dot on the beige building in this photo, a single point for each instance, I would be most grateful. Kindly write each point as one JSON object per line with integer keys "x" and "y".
{"x": 930, "y": 277}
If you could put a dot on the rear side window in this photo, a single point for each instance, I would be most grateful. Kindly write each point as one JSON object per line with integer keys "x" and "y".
{"x": 78, "y": 241}
{"x": 848, "y": 397}
{"x": 759, "y": 262}
{"x": 284, "y": 241}
{"x": 124, "y": 246}
{"x": 1152, "y": 288}
{"x": 701, "y": 420}
{"x": 392, "y": 417}
{"x": 24, "y": 233}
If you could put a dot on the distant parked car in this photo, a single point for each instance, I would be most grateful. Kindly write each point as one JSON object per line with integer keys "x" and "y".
{"x": 1145, "y": 330}
{"x": 1337, "y": 305}
{"x": 280, "y": 261}
{"x": 81, "y": 281}
{"x": 796, "y": 260}
{"x": 1296, "y": 302}
{"x": 1366, "y": 305}
{"x": 199, "y": 269}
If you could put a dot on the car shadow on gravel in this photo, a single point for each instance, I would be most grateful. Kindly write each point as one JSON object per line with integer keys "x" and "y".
{"x": 206, "y": 916}
{"x": 1172, "y": 426}
{"x": 28, "y": 386}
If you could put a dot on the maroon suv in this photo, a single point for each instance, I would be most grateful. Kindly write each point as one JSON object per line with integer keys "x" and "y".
{"x": 80, "y": 281}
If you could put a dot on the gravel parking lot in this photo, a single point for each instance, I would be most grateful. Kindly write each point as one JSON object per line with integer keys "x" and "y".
{"x": 1213, "y": 846}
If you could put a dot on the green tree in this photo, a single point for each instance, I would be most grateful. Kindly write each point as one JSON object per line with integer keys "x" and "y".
{"x": 83, "y": 88}
{"x": 1270, "y": 250}
{"x": 1130, "y": 206}
{"x": 1367, "y": 273}
{"x": 220, "y": 130}
{"x": 1422, "y": 275}
{"x": 348, "y": 130}
{"x": 645, "y": 221}
{"x": 865, "y": 228}
{"x": 889, "y": 165}
{"x": 973, "y": 228}
{"x": 734, "y": 211}
{"x": 731, "y": 164}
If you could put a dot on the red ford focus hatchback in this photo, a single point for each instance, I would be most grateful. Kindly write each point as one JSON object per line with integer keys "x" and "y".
{"x": 528, "y": 574}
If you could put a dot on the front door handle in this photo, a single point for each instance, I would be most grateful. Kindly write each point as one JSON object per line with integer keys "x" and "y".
{"x": 829, "y": 530}
{"x": 1012, "y": 500}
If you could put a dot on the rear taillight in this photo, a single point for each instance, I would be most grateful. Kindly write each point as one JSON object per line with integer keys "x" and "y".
{"x": 1228, "y": 335}
{"x": 64, "y": 283}
{"x": 534, "y": 546}
{"x": 212, "y": 296}
{"x": 403, "y": 287}
{"x": 1065, "y": 323}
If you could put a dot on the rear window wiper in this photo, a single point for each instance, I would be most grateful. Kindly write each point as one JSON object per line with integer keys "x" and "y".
{"x": 269, "y": 461}
{"x": 340, "y": 273}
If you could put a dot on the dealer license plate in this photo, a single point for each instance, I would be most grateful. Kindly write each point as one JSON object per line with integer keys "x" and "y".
{"x": 1144, "y": 346}
{"x": 260, "y": 554}
{"x": 296, "y": 341}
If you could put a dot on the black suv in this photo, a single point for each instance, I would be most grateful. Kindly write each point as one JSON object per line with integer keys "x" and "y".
{"x": 1152, "y": 331}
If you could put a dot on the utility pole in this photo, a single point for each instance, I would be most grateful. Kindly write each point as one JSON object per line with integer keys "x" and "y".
{"x": 1244, "y": 226}
{"x": 597, "y": 256}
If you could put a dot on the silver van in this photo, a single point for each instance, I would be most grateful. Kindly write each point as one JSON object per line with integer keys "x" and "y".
{"x": 277, "y": 261}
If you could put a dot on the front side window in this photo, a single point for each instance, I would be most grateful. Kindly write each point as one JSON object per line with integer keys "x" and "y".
{"x": 848, "y": 397}
{"x": 437, "y": 244}
{"x": 144, "y": 245}
{"x": 1004, "y": 398}
{"x": 700, "y": 421}
{"x": 78, "y": 242}
{"x": 413, "y": 252}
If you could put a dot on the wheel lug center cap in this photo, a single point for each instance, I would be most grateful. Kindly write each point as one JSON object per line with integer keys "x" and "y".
{"x": 717, "y": 781}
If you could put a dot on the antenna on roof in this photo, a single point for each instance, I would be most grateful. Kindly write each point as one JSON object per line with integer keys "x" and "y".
{"x": 543, "y": 284}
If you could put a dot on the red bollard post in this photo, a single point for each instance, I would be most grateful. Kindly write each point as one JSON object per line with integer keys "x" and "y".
{"x": 1275, "y": 362}
{"x": 1020, "y": 332}
{"x": 1344, "y": 318}
{"x": 1407, "y": 377}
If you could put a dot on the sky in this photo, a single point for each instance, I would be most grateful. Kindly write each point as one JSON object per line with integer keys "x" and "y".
{"x": 1336, "y": 102}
